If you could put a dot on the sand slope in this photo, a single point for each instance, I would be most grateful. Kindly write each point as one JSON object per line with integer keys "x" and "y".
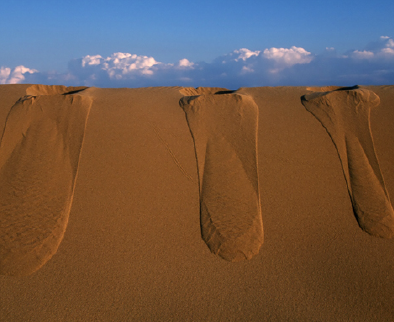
{"x": 224, "y": 130}
{"x": 345, "y": 114}
{"x": 133, "y": 249}
{"x": 39, "y": 154}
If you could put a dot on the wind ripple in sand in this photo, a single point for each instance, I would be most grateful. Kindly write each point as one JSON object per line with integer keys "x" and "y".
{"x": 39, "y": 156}
{"x": 224, "y": 130}
{"x": 345, "y": 114}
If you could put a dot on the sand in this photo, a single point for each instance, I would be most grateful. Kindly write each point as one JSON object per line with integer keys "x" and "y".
{"x": 224, "y": 129}
{"x": 134, "y": 246}
{"x": 345, "y": 114}
{"x": 39, "y": 155}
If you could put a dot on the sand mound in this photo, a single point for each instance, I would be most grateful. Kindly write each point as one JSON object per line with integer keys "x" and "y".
{"x": 345, "y": 114}
{"x": 224, "y": 129}
{"x": 191, "y": 91}
{"x": 39, "y": 155}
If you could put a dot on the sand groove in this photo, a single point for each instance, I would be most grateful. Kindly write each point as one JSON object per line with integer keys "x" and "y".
{"x": 39, "y": 155}
{"x": 345, "y": 114}
{"x": 224, "y": 130}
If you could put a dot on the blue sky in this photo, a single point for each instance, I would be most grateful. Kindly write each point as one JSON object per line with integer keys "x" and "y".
{"x": 47, "y": 36}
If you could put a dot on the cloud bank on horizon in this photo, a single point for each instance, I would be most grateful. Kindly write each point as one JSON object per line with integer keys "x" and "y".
{"x": 373, "y": 65}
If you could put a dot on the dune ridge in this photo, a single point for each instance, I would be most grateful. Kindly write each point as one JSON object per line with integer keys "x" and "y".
{"x": 36, "y": 90}
{"x": 224, "y": 130}
{"x": 39, "y": 155}
{"x": 345, "y": 114}
{"x": 191, "y": 91}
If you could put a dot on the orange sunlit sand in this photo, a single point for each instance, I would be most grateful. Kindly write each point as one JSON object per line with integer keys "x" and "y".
{"x": 173, "y": 203}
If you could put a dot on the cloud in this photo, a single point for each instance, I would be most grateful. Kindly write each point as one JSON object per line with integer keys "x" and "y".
{"x": 382, "y": 49}
{"x": 365, "y": 54}
{"x": 4, "y": 74}
{"x": 237, "y": 55}
{"x": 244, "y": 54}
{"x": 91, "y": 60}
{"x": 185, "y": 63}
{"x": 388, "y": 51}
{"x": 14, "y": 76}
{"x": 118, "y": 66}
{"x": 286, "y": 57}
{"x": 373, "y": 64}
{"x": 381, "y": 43}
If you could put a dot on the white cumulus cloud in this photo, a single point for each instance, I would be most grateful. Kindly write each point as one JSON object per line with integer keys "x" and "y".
{"x": 373, "y": 64}
{"x": 92, "y": 69}
{"x": 120, "y": 65}
{"x": 288, "y": 56}
{"x": 382, "y": 49}
{"x": 16, "y": 75}
{"x": 241, "y": 54}
{"x": 4, "y": 74}
{"x": 389, "y": 51}
{"x": 245, "y": 53}
{"x": 185, "y": 63}
{"x": 91, "y": 60}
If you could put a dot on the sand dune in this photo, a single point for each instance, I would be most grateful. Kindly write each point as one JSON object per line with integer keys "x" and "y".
{"x": 345, "y": 114}
{"x": 39, "y": 155}
{"x": 224, "y": 129}
{"x": 135, "y": 245}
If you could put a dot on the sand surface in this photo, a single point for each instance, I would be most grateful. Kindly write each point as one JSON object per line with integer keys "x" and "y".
{"x": 345, "y": 114}
{"x": 224, "y": 128}
{"x": 39, "y": 155}
{"x": 115, "y": 177}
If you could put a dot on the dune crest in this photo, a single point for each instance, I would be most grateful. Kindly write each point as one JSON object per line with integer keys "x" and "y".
{"x": 191, "y": 91}
{"x": 345, "y": 114}
{"x": 323, "y": 88}
{"x": 39, "y": 156}
{"x": 224, "y": 130}
{"x": 36, "y": 90}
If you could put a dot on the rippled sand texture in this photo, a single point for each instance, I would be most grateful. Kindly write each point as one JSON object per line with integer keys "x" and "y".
{"x": 39, "y": 155}
{"x": 224, "y": 129}
{"x": 345, "y": 114}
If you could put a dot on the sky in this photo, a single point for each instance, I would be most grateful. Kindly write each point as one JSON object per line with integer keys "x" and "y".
{"x": 197, "y": 43}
